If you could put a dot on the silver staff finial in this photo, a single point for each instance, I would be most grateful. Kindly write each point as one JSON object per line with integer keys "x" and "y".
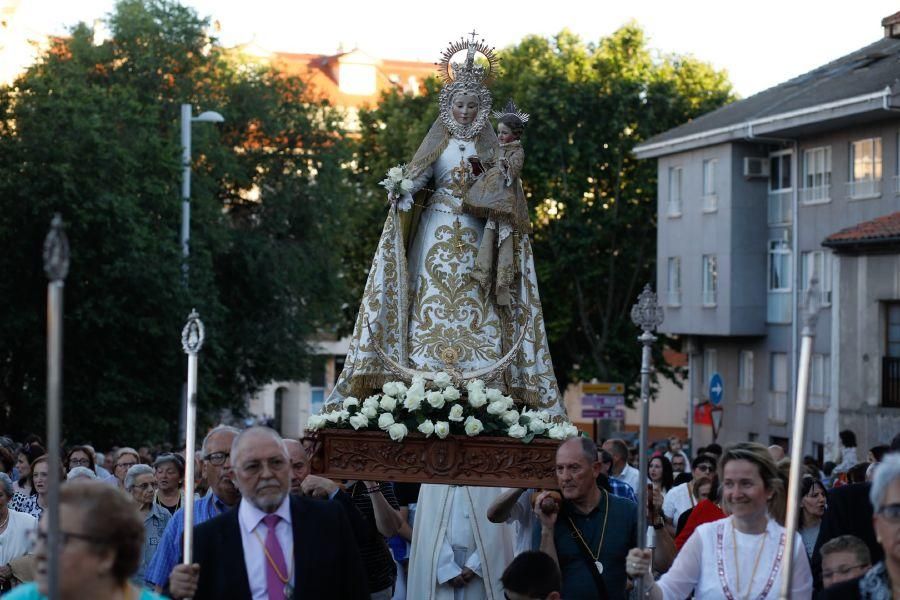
{"x": 56, "y": 251}
{"x": 647, "y": 313}
{"x": 193, "y": 333}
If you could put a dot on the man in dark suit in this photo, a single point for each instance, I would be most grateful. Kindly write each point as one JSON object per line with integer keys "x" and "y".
{"x": 275, "y": 546}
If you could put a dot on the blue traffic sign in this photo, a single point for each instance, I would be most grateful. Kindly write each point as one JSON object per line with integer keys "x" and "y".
{"x": 716, "y": 389}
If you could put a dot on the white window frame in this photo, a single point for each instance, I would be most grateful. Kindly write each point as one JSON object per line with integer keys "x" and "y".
{"x": 780, "y": 200}
{"x": 815, "y": 187}
{"x": 780, "y": 156}
{"x": 781, "y": 249}
{"x": 867, "y": 183}
{"x": 710, "y": 198}
{"x": 778, "y": 301}
{"x": 808, "y": 262}
{"x": 676, "y": 192}
{"x": 710, "y": 280}
{"x": 778, "y": 390}
{"x": 673, "y": 281}
{"x": 745, "y": 376}
{"x": 819, "y": 381}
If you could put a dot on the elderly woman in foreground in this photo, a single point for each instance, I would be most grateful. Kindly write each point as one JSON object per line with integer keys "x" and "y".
{"x": 882, "y": 580}
{"x": 741, "y": 556}
{"x": 100, "y": 541}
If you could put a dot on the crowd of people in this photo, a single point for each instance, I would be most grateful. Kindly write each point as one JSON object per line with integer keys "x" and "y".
{"x": 265, "y": 527}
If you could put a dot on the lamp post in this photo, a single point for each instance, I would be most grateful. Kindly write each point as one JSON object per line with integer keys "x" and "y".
{"x": 647, "y": 314}
{"x": 186, "y": 119}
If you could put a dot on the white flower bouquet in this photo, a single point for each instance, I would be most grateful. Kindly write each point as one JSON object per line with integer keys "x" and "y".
{"x": 440, "y": 409}
{"x": 399, "y": 186}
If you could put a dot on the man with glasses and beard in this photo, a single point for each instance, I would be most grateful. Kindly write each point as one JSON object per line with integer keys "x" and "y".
{"x": 222, "y": 496}
{"x": 680, "y": 498}
{"x": 275, "y": 545}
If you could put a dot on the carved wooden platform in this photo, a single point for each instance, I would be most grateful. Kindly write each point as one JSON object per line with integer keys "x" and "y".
{"x": 461, "y": 460}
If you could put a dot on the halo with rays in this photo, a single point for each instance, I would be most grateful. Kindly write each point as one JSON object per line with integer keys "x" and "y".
{"x": 472, "y": 47}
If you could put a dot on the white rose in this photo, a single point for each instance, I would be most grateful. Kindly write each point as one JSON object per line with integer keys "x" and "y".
{"x": 343, "y": 415}
{"x": 414, "y": 396}
{"x": 333, "y": 416}
{"x": 315, "y": 422}
{"x": 388, "y": 403}
{"x": 385, "y": 420}
{"x": 397, "y": 431}
{"x": 537, "y": 426}
{"x": 451, "y": 394}
{"x": 426, "y": 427}
{"x": 477, "y": 398}
{"x": 359, "y": 420}
{"x": 370, "y": 412}
{"x": 442, "y": 429}
{"x": 406, "y": 185}
{"x": 498, "y": 407}
{"x": 401, "y": 388}
{"x": 558, "y": 432}
{"x": 395, "y": 173}
{"x": 371, "y": 401}
{"x": 456, "y": 413}
{"x": 510, "y": 403}
{"x": 391, "y": 389}
{"x": 475, "y": 385}
{"x": 544, "y": 416}
{"x": 493, "y": 394}
{"x": 572, "y": 431}
{"x": 510, "y": 417}
{"x": 517, "y": 431}
{"x": 412, "y": 403}
{"x": 442, "y": 380}
{"x": 473, "y": 426}
{"x": 418, "y": 380}
{"x": 435, "y": 399}
{"x": 351, "y": 401}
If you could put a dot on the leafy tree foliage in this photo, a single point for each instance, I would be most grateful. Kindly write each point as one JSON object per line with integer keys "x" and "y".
{"x": 593, "y": 204}
{"x": 92, "y": 131}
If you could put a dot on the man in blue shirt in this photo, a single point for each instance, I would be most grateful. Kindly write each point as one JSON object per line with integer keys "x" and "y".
{"x": 617, "y": 486}
{"x": 222, "y": 496}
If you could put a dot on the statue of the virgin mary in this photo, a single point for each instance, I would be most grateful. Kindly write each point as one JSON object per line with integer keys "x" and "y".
{"x": 422, "y": 309}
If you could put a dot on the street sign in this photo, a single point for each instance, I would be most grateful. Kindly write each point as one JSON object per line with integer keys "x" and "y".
{"x": 716, "y": 416}
{"x": 604, "y": 414}
{"x": 602, "y": 388}
{"x": 602, "y": 400}
{"x": 716, "y": 389}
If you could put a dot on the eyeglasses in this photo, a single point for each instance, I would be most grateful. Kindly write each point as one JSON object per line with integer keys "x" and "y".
{"x": 705, "y": 468}
{"x": 842, "y": 570}
{"x": 146, "y": 485}
{"x": 79, "y": 462}
{"x": 126, "y": 465}
{"x": 36, "y": 537}
{"x": 217, "y": 458}
{"x": 891, "y": 512}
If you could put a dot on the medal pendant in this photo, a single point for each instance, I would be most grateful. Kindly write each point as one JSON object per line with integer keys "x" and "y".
{"x": 599, "y": 566}
{"x": 288, "y": 592}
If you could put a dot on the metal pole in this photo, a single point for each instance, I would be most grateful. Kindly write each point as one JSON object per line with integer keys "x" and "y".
{"x": 191, "y": 340}
{"x": 186, "y": 110}
{"x": 56, "y": 266}
{"x": 692, "y": 362}
{"x": 811, "y": 312}
{"x": 646, "y": 314}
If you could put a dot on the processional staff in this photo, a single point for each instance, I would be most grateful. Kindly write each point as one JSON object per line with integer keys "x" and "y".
{"x": 191, "y": 340}
{"x": 647, "y": 314}
{"x": 811, "y": 306}
{"x": 56, "y": 266}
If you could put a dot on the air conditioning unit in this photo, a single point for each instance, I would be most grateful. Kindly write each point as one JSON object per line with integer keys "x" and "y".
{"x": 756, "y": 167}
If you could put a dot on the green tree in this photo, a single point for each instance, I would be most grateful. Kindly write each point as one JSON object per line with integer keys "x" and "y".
{"x": 593, "y": 204}
{"x": 92, "y": 131}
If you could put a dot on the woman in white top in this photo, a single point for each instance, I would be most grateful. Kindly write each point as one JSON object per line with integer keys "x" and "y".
{"x": 14, "y": 531}
{"x": 738, "y": 557}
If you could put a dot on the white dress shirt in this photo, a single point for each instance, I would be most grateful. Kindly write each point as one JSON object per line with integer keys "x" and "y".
{"x": 251, "y": 520}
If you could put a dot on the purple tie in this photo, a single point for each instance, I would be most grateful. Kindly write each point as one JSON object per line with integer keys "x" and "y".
{"x": 276, "y": 571}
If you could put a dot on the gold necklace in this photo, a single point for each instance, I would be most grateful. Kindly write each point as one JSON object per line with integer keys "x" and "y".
{"x": 282, "y": 578}
{"x": 581, "y": 539}
{"x": 737, "y": 570}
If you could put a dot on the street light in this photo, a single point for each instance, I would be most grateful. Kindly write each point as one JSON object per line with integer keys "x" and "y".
{"x": 186, "y": 119}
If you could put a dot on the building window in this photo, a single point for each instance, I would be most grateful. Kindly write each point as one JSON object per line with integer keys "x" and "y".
{"x": 710, "y": 199}
{"x": 709, "y": 367}
{"x": 745, "y": 376}
{"x": 865, "y": 168}
{"x": 673, "y": 281}
{"x": 819, "y": 381}
{"x": 780, "y": 188}
{"x": 890, "y": 364}
{"x": 778, "y": 382}
{"x": 816, "y": 175}
{"x": 816, "y": 263}
{"x": 710, "y": 279}
{"x": 779, "y": 297}
{"x": 674, "y": 206}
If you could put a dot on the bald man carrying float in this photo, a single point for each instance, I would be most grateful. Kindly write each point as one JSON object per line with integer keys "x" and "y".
{"x": 276, "y": 545}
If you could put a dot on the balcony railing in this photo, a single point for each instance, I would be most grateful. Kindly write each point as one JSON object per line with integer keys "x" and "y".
{"x": 890, "y": 381}
{"x": 780, "y": 212}
{"x": 778, "y": 407}
{"x": 815, "y": 195}
{"x": 778, "y": 307}
{"x": 710, "y": 203}
{"x": 864, "y": 188}
{"x": 673, "y": 297}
